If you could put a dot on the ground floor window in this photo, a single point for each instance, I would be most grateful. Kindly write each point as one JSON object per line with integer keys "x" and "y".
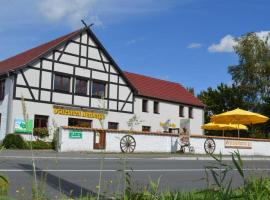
{"x": 113, "y": 125}
{"x": 80, "y": 122}
{"x": 146, "y": 128}
{"x": 41, "y": 126}
{"x": 174, "y": 130}
{"x": 41, "y": 121}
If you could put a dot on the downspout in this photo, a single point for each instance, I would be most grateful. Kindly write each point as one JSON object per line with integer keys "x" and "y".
{"x": 10, "y": 104}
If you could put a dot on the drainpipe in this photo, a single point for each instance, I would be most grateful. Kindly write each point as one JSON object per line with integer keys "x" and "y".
{"x": 10, "y": 104}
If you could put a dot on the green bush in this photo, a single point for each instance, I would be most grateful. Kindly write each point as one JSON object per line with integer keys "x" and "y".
{"x": 40, "y": 145}
{"x": 14, "y": 141}
{"x": 41, "y": 132}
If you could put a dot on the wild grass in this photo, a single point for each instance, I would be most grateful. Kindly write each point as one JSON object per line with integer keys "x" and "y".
{"x": 218, "y": 176}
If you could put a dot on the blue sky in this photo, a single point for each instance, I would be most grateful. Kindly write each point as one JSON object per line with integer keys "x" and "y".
{"x": 185, "y": 41}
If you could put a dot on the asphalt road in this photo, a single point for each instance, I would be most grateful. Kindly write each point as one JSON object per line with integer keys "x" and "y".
{"x": 75, "y": 174}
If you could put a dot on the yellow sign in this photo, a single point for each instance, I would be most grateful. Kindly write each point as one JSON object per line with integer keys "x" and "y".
{"x": 78, "y": 113}
{"x": 170, "y": 125}
{"x": 239, "y": 144}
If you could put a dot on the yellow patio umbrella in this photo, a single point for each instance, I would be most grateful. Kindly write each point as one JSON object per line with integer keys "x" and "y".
{"x": 214, "y": 126}
{"x": 223, "y": 127}
{"x": 239, "y": 116}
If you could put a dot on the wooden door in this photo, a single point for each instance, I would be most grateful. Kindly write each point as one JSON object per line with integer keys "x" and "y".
{"x": 99, "y": 139}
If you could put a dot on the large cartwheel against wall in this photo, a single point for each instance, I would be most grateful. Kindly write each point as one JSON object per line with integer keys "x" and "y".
{"x": 127, "y": 144}
{"x": 209, "y": 145}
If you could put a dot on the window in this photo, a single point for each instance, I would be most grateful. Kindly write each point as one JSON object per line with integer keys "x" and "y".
{"x": 190, "y": 112}
{"x": 61, "y": 83}
{"x": 181, "y": 111}
{"x": 146, "y": 128}
{"x": 41, "y": 121}
{"x": 113, "y": 125}
{"x": 80, "y": 122}
{"x": 145, "y": 105}
{"x": 98, "y": 89}
{"x": 156, "y": 107}
{"x": 174, "y": 130}
{"x": 81, "y": 86}
{"x": 2, "y": 89}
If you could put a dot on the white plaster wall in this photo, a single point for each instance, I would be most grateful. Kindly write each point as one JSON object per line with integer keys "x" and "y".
{"x": 258, "y": 147}
{"x": 100, "y": 76}
{"x": 168, "y": 111}
{"x": 79, "y": 144}
{"x": 144, "y": 143}
{"x": 153, "y": 143}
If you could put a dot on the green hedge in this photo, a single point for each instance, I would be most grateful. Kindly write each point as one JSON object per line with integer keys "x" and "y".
{"x": 14, "y": 141}
{"x": 40, "y": 145}
{"x": 41, "y": 132}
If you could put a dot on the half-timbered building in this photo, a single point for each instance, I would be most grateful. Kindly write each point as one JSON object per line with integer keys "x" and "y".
{"x": 72, "y": 80}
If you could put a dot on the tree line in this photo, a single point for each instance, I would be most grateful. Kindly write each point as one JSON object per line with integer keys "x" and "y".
{"x": 250, "y": 88}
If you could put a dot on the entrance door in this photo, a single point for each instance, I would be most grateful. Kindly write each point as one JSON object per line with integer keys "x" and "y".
{"x": 99, "y": 139}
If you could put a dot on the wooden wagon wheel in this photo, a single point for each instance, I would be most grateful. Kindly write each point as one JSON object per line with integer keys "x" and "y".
{"x": 209, "y": 145}
{"x": 127, "y": 144}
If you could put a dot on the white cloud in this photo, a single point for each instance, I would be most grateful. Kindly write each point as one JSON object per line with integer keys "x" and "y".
{"x": 71, "y": 11}
{"x": 134, "y": 41}
{"x": 263, "y": 34}
{"x": 194, "y": 45}
{"x": 225, "y": 45}
{"x": 98, "y": 11}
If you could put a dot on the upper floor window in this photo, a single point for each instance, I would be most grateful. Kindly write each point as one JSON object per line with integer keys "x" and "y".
{"x": 81, "y": 86}
{"x": 145, "y": 105}
{"x": 190, "y": 112}
{"x": 61, "y": 83}
{"x": 181, "y": 111}
{"x": 2, "y": 89}
{"x": 156, "y": 107}
{"x": 98, "y": 89}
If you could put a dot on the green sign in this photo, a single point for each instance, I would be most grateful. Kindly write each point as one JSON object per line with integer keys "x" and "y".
{"x": 75, "y": 134}
{"x": 22, "y": 127}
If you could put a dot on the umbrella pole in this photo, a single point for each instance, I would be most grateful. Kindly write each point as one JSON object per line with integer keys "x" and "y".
{"x": 223, "y": 133}
{"x": 238, "y": 131}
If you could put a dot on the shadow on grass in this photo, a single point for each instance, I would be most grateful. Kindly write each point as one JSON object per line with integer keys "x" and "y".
{"x": 65, "y": 187}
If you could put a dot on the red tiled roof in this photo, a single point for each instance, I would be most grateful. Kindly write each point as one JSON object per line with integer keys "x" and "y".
{"x": 161, "y": 89}
{"x": 24, "y": 58}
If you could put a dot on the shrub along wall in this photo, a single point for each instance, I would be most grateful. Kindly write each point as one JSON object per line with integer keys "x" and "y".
{"x": 15, "y": 141}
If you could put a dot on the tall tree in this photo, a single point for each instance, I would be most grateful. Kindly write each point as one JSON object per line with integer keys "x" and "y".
{"x": 252, "y": 73}
{"x": 222, "y": 99}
